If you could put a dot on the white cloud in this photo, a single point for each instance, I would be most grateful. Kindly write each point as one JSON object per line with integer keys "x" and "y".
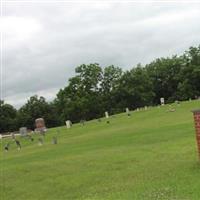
{"x": 45, "y": 42}
{"x": 18, "y": 29}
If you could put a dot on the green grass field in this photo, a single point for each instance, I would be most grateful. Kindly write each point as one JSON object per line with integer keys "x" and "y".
{"x": 151, "y": 155}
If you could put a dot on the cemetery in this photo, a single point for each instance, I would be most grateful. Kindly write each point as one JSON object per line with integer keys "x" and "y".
{"x": 146, "y": 153}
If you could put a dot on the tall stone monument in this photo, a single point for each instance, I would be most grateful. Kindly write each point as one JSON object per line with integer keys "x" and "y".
{"x": 40, "y": 125}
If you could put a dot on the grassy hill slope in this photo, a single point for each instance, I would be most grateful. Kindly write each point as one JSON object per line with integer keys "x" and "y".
{"x": 151, "y": 155}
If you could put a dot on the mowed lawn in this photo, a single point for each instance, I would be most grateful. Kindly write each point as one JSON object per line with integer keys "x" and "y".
{"x": 151, "y": 155}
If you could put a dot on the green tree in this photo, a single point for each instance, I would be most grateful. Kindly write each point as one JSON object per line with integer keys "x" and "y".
{"x": 136, "y": 89}
{"x": 189, "y": 85}
{"x": 81, "y": 98}
{"x": 109, "y": 87}
{"x": 165, "y": 76}
{"x": 37, "y": 107}
{"x": 7, "y": 117}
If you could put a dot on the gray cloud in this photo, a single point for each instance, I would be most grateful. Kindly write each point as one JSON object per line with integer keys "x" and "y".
{"x": 44, "y": 42}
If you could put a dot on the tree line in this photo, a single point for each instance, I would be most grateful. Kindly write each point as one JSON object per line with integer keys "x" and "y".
{"x": 95, "y": 89}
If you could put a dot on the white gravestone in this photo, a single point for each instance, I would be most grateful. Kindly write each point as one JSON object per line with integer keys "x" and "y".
{"x": 162, "y": 101}
{"x": 128, "y": 112}
{"x": 145, "y": 108}
{"x": 68, "y": 123}
{"x": 106, "y": 114}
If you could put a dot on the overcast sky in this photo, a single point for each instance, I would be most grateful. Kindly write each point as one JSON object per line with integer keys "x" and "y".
{"x": 43, "y": 42}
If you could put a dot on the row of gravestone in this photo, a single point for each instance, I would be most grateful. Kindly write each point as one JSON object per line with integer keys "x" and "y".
{"x": 69, "y": 123}
{"x": 41, "y": 128}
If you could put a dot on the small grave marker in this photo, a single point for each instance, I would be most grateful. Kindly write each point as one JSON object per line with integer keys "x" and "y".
{"x": 162, "y": 101}
{"x": 22, "y": 131}
{"x": 106, "y": 115}
{"x": 18, "y": 144}
{"x": 54, "y": 140}
{"x": 128, "y": 112}
{"x": 6, "y": 148}
{"x": 68, "y": 123}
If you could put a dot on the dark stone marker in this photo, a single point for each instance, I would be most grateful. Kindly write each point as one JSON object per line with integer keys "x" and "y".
{"x": 6, "y": 148}
{"x": 18, "y": 144}
{"x": 196, "y": 114}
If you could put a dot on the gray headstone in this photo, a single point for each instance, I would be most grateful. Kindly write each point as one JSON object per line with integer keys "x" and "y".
{"x": 23, "y": 131}
{"x": 6, "y": 148}
{"x": 54, "y": 140}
